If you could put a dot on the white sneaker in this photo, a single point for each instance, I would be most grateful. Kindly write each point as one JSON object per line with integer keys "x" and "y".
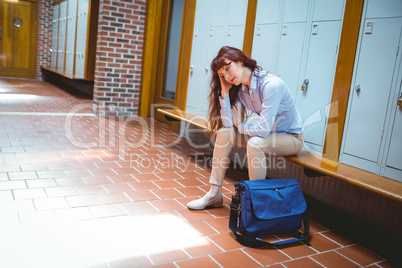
{"x": 201, "y": 203}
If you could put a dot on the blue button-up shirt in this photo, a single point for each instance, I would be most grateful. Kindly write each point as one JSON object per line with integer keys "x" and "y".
{"x": 270, "y": 98}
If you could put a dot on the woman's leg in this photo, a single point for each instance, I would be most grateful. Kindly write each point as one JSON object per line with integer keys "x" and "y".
{"x": 276, "y": 144}
{"x": 225, "y": 139}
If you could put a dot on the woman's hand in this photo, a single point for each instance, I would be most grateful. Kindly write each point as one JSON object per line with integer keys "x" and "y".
{"x": 236, "y": 115}
{"x": 225, "y": 87}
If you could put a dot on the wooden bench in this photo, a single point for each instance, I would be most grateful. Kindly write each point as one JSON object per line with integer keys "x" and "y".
{"x": 315, "y": 165}
{"x": 178, "y": 115}
{"x": 57, "y": 72}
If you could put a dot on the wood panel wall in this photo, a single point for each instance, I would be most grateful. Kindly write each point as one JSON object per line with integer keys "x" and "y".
{"x": 249, "y": 28}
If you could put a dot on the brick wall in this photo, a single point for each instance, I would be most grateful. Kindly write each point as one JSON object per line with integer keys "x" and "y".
{"x": 119, "y": 48}
{"x": 119, "y": 57}
{"x": 45, "y": 15}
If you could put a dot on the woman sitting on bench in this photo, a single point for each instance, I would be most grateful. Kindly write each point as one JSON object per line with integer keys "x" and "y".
{"x": 237, "y": 83}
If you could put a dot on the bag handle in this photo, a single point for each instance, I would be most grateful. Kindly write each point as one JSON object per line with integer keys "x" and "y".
{"x": 256, "y": 242}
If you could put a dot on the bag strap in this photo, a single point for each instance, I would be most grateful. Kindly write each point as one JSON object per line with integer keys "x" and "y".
{"x": 256, "y": 242}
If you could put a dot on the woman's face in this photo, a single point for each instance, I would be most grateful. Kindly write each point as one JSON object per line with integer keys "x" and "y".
{"x": 232, "y": 72}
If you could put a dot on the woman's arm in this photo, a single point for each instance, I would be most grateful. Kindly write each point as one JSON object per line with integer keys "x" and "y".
{"x": 272, "y": 93}
{"x": 231, "y": 116}
{"x": 227, "y": 112}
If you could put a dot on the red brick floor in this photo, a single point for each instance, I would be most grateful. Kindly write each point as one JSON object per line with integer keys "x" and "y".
{"x": 78, "y": 190}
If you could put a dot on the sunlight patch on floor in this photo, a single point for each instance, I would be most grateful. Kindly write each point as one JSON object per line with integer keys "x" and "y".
{"x": 86, "y": 243}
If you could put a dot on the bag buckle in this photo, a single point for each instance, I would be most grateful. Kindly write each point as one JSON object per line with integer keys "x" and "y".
{"x": 238, "y": 187}
{"x": 235, "y": 203}
{"x": 235, "y": 207}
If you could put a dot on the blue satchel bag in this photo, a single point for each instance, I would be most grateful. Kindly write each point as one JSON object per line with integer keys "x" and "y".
{"x": 270, "y": 206}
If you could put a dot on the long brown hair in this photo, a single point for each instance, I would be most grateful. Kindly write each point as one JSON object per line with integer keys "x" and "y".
{"x": 231, "y": 54}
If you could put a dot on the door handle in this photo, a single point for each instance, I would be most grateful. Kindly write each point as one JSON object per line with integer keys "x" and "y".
{"x": 191, "y": 69}
{"x": 399, "y": 102}
{"x": 1, "y": 32}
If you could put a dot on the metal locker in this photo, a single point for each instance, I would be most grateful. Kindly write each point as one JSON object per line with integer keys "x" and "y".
{"x": 268, "y": 11}
{"x": 325, "y": 10}
{"x": 393, "y": 162}
{"x": 70, "y": 42}
{"x": 197, "y": 83}
{"x": 216, "y": 15}
{"x": 55, "y": 28}
{"x": 211, "y": 32}
{"x": 81, "y": 41}
{"x": 201, "y": 12}
{"x": 198, "y": 62}
{"x": 236, "y": 12}
{"x": 265, "y": 46}
{"x": 384, "y": 9}
{"x": 319, "y": 75}
{"x": 291, "y": 41}
{"x": 266, "y": 33}
{"x": 295, "y": 10}
{"x": 234, "y": 36}
{"x": 370, "y": 92}
{"x": 216, "y": 39}
{"x": 290, "y": 54}
{"x": 62, "y": 36}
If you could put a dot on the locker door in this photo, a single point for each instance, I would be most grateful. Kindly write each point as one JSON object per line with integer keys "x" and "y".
{"x": 237, "y": 12}
{"x": 268, "y": 11}
{"x": 295, "y": 10}
{"x": 374, "y": 74}
{"x": 320, "y": 71}
{"x": 265, "y": 46}
{"x": 202, "y": 8}
{"x": 328, "y": 10}
{"x": 216, "y": 39}
{"x": 217, "y": 12}
{"x": 290, "y": 55}
{"x": 55, "y": 28}
{"x": 393, "y": 161}
{"x": 62, "y": 36}
{"x": 292, "y": 38}
{"x": 70, "y": 42}
{"x": 384, "y": 8}
{"x": 211, "y": 32}
{"x": 197, "y": 81}
{"x": 235, "y": 36}
{"x": 392, "y": 164}
{"x": 81, "y": 41}
{"x": 266, "y": 34}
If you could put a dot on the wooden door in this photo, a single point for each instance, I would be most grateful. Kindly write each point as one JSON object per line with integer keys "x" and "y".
{"x": 18, "y": 31}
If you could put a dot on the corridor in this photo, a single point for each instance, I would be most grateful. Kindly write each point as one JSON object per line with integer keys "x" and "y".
{"x": 78, "y": 190}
